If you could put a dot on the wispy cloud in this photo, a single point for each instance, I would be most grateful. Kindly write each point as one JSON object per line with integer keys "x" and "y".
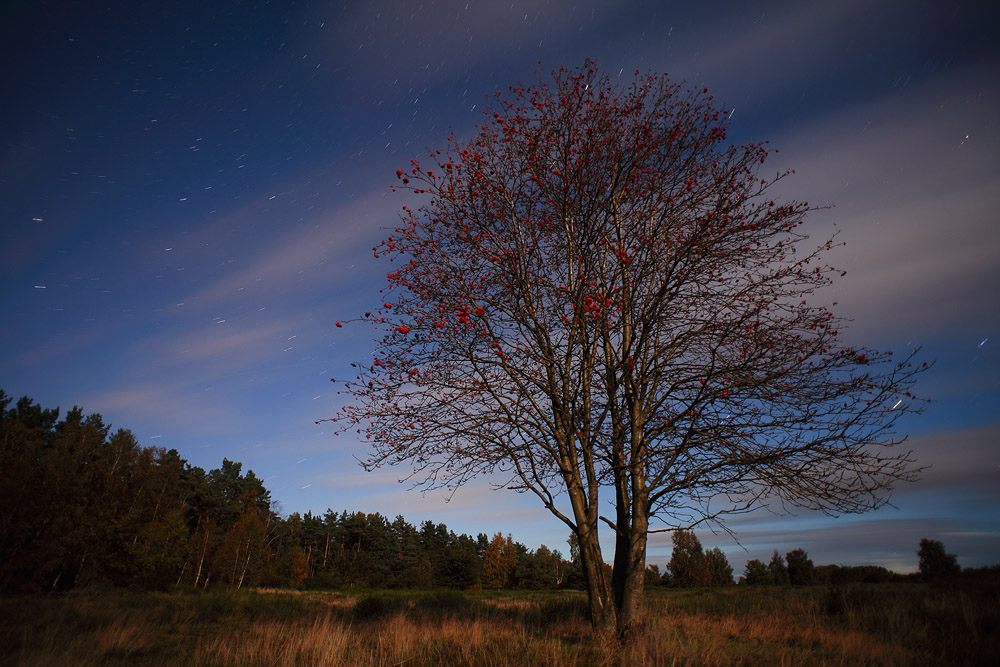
{"x": 768, "y": 47}
{"x": 326, "y": 249}
{"x": 241, "y": 345}
{"x": 953, "y": 501}
{"x": 392, "y": 50}
{"x": 913, "y": 179}
{"x": 158, "y": 405}
{"x": 964, "y": 465}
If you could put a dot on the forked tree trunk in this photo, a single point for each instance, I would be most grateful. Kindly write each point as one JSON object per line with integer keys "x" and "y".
{"x": 629, "y": 577}
{"x": 615, "y": 599}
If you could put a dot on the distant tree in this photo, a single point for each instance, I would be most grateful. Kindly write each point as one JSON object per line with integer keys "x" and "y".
{"x": 756, "y": 574}
{"x": 407, "y": 562}
{"x": 369, "y": 549}
{"x": 719, "y": 570}
{"x": 653, "y": 575}
{"x": 499, "y": 563}
{"x": 461, "y": 567}
{"x": 541, "y": 569}
{"x": 237, "y": 559}
{"x": 779, "y": 573}
{"x": 40, "y": 496}
{"x": 138, "y": 534}
{"x": 603, "y": 297}
{"x": 846, "y": 574}
{"x": 230, "y": 517}
{"x": 562, "y": 568}
{"x": 574, "y": 568}
{"x": 688, "y": 564}
{"x": 482, "y": 543}
{"x": 291, "y": 562}
{"x": 934, "y": 562}
{"x": 434, "y": 542}
{"x": 234, "y": 493}
{"x": 84, "y": 506}
{"x": 800, "y": 568}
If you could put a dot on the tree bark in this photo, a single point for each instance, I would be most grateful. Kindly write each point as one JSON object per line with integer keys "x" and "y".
{"x": 629, "y": 577}
{"x": 600, "y": 596}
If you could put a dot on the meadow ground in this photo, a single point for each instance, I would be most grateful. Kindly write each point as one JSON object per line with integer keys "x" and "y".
{"x": 885, "y": 624}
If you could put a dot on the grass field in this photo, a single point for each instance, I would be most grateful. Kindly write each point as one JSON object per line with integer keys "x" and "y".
{"x": 888, "y": 624}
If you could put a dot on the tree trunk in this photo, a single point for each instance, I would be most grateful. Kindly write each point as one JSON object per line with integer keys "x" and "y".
{"x": 201, "y": 560}
{"x": 246, "y": 564}
{"x": 181, "y": 575}
{"x": 629, "y": 579}
{"x": 616, "y": 598}
{"x": 600, "y": 597}
{"x": 236, "y": 566}
{"x": 629, "y": 575}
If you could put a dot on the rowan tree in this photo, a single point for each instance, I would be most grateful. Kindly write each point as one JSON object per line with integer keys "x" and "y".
{"x": 601, "y": 300}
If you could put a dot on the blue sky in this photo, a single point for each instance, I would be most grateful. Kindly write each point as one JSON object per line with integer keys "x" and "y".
{"x": 191, "y": 192}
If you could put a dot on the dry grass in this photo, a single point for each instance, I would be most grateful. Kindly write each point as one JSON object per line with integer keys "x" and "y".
{"x": 876, "y": 625}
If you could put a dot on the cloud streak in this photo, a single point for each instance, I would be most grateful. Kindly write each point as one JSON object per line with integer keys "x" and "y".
{"x": 915, "y": 202}
{"x": 327, "y": 249}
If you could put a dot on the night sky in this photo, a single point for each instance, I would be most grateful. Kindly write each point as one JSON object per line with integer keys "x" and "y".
{"x": 191, "y": 191}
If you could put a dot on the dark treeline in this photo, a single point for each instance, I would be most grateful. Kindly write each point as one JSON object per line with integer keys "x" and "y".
{"x": 690, "y": 566}
{"x": 82, "y": 506}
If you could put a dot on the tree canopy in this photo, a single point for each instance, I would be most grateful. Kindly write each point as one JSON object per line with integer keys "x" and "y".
{"x": 599, "y": 296}
{"x": 934, "y": 561}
